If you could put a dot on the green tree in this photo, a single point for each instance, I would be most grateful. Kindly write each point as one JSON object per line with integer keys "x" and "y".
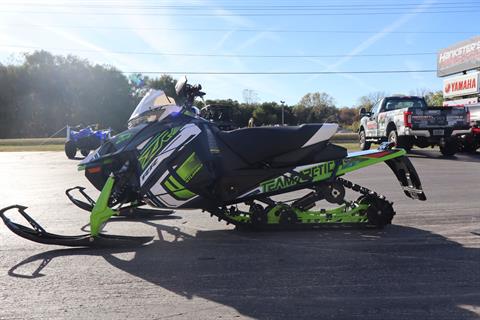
{"x": 315, "y": 107}
{"x": 165, "y": 83}
{"x": 267, "y": 113}
{"x": 434, "y": 98}
{"x": 45, "y": 92}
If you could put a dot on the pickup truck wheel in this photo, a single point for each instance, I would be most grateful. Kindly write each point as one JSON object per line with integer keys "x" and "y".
{"x": 400, "y": 142}
{"x": 364, "y": 144}
{"x": 449, "y": 148}
{"x": 84, "y": 152}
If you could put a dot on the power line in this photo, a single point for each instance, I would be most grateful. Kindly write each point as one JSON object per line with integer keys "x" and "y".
{"x": 230, "y": 55}
{"x": 284, "y": 72}
{"x": 228, "y": 4}
{"x": 35, "y": 26}
{"x": 290, "y": 14}
{"x": 330, "y": 7}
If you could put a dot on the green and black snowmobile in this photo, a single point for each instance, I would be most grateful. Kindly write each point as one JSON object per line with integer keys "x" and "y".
{"x": 170, "y": 158}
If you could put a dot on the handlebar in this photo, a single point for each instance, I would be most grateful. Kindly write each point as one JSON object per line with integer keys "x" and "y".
{"x": 191, "y": 92}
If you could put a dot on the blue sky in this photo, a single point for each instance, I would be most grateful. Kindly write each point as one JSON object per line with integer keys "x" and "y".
{"x": 96, "y": 29}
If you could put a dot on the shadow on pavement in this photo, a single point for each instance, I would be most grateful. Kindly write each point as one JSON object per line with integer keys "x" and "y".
{"x": 435, "y": 154}
{"x": 400, "y": 272}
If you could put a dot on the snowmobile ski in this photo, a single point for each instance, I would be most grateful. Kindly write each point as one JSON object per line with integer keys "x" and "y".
{"x": 40, "y": 235}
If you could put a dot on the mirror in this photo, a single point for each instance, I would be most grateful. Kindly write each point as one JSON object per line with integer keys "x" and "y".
{"x": 363, "y": 111}
{"x": 181, "y": 83}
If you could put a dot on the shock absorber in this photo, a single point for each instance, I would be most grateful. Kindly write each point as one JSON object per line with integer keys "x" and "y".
{"x": 307, "y": 201}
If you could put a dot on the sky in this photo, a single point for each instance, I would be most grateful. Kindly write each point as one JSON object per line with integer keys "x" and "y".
{"x": 242, "y": 36}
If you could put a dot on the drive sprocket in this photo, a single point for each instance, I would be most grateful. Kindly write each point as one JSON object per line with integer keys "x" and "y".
{"x": 380, "y": 211}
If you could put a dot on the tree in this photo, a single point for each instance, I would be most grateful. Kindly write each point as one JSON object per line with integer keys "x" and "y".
{"x": 347, "y": 116}
{"x": 315, "y": 107}
{"x": 369, "y": 100}
{"x": 165, "y": 83}
{"x": 250, "y": 96}
{"x": 45, "y": 92}
{"x": 268, "y": 113}
{"x": 434, "y": 98}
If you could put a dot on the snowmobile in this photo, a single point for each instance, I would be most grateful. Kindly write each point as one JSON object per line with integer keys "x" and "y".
{"x": 170, "y": 158}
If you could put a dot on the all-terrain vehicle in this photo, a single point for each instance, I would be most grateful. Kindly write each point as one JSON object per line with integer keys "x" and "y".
{"x": 171, "y": 158}
{"x": 84, "y": 139}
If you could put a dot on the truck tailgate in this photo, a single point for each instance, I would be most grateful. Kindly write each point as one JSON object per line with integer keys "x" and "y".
{"x": 435, "y": 117}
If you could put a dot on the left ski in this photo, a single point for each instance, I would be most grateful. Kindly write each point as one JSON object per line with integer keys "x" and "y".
{"x": 38, "y": 234}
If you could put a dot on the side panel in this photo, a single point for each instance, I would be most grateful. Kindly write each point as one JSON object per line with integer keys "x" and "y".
{"x": 304, "y": 176}
{"x": 176, "y": 166}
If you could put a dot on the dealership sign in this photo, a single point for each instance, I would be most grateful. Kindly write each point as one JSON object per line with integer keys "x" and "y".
{"x": 460, "y": 102}
{"x": 459, "y": 57}
{"x": 460, "y": 86}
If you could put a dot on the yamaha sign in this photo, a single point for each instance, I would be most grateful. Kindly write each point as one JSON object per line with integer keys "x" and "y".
{"x": 461, "y": 86}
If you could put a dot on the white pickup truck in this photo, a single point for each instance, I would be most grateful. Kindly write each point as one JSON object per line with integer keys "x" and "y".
{"x": 408, "y": 121}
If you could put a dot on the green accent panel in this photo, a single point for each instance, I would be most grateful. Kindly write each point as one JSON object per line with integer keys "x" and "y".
{"x": 169, "y": 186}
{"x": 156, "y": 145}
{"x": 184, "y": 194}
{"x": 177, "y": 189}
{"x": 189, "y": 168}
{"x": 186, "y": 171}
{"x": 122, "y": 137}
{"x": 342, "y": 214}
{"x": 337, "y": 215}
{"x": 101, "y": 212}
{"x": 355, "y": 163}
{"x": 324, "y": 170}
{"x": 174, "y": 183}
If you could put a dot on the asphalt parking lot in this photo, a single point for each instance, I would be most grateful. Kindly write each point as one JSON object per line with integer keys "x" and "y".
{"x": 425, "y": 266}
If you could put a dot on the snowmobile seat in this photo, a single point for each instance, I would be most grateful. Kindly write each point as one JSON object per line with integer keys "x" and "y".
{"x": 264, "y": 143}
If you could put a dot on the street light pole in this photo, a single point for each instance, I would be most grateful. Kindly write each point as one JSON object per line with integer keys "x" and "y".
{"x": 283, "y": 116}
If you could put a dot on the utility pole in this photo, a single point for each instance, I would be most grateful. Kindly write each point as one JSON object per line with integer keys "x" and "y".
{"x": 283, "y": 116}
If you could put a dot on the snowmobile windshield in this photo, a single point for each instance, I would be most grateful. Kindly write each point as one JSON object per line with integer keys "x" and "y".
{"x": 154, "y": 106}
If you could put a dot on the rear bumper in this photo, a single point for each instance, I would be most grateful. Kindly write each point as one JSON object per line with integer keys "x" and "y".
{"x": 427, "y": 134}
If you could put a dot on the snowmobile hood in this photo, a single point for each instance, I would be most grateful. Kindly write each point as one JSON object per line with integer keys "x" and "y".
{"x": 115, "y": 145}
{"x": 155, "y": 106}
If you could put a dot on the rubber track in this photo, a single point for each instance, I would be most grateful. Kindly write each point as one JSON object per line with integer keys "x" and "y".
{"x": 347, "y": 184}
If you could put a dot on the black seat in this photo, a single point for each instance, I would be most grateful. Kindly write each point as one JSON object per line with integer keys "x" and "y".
{"x": 263, "y": 143}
